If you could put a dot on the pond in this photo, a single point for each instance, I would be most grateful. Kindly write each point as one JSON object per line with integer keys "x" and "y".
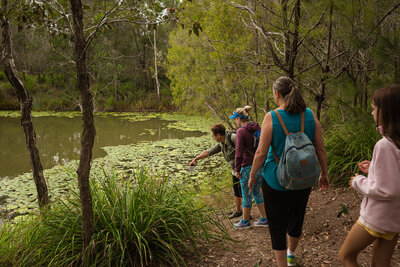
{"x": 161, "y": 143}
{"x": 58, "y": 139}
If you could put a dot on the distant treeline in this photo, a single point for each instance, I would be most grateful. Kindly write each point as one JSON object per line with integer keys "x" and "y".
{"x": 214, "y": 55}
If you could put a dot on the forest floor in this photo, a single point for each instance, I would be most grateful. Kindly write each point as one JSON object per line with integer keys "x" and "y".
{"x": 323, "y": 235}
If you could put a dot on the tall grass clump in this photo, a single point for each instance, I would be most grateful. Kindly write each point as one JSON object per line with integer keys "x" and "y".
{"x": 142, "y": 221}
{"x": 347, "y": 144}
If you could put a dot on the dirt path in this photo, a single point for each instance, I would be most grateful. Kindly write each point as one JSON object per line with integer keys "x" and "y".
{"x": 323, "y": 234}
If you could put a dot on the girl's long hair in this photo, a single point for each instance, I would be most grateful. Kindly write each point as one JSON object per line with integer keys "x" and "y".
{"x": 294, "y": 102}
{"x": 387, "y": 101}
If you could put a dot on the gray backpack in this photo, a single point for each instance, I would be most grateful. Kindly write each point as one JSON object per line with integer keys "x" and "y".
{"x": 298, "y": 167}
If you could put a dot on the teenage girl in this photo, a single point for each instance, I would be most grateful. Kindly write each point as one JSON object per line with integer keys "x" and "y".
{"x": 244, "y": 154}
{"x": 379, "y": 221}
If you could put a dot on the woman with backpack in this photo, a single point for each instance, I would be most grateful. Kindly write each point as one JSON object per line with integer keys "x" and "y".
{"x": 285, "y": 206}
{"x": 244, "y": 154}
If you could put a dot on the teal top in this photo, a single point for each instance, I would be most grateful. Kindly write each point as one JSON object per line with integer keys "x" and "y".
{"x": 293, "y": 125}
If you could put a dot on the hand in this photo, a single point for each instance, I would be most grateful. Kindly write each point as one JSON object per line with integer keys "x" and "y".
{"x": 352, "y": 179}
{"x": 252, "y": 181}
{"x": 364, "y": 166}
{"x": 193, "y": 162}
{"x": 323, "y": 182}
{"x": 237, "y": 174}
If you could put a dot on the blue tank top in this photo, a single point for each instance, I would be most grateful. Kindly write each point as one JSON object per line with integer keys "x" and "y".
{"x": 293, "y": 125}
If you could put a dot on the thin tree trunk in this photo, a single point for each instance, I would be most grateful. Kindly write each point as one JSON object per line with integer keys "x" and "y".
{"x": 89, "y": 130}
{"x": 115, "y": 80}
{"x": 155, "y": 66}
{"x": 295, "y": 42}
{"x": 321, "y": 97}
{"x": 355, "y": 100}
{"x": 140, "y": 61}
{"x": 25, "y": 101}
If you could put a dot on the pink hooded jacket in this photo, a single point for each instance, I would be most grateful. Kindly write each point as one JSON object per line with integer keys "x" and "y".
{"x": 381, "y": 189}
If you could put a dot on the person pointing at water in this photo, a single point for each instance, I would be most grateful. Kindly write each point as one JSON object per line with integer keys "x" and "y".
{"x": 225, "y": 145}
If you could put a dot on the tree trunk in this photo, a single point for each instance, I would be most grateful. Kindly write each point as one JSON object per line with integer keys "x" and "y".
{"x": 155, "y": 66}
{"x": 355, "y": 100}
{"x": 89, "y": 130}
{"x": 325, "y": 70}
{"x": 25, "y": 101}
{"x": 142, "y": 61}
{"x": 295, "y": 41}
{"x": 320, "y": 99}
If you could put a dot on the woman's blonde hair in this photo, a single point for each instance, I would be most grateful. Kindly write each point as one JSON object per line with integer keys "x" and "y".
{"x": 245, "y": 111}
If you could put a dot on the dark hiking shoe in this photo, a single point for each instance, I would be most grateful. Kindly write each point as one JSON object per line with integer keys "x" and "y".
{"x": 235, "y": 214}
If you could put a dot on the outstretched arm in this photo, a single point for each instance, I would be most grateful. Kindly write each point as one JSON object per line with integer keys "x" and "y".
{"x": 202, "y": 155}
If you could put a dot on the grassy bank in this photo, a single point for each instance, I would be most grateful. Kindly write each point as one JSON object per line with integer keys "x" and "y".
{"x": 145, "y": 220}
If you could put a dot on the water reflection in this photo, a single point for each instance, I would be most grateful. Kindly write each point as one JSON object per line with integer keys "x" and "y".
{"x": 58, "y": 139}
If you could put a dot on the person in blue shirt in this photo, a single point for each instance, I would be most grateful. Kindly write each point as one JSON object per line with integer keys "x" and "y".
{"x": 286, "y": 208}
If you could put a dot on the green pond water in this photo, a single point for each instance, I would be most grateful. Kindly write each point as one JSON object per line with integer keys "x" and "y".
{"x": 162, "y": 143}
{"x": 58, "y": 139}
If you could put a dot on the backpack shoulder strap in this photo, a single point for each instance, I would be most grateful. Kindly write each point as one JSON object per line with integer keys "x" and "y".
{"x": 281, "y": 121}
{"x": 230, "y": 138}
{"x": 284, "y": 128}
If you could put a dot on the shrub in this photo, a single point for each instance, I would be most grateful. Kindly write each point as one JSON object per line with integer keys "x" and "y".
{"x": 347, "y": 144}
{"x": 145, "y": 221}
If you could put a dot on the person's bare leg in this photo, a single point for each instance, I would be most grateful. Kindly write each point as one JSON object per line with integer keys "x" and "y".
{"x": 382, "y": 252}
{"x": 261, "y": 209}
{"x": 280, "y": 256}
{"x": 293, "y": 242}
{"x": 246, "y": 213}
{"x": 238, "y": 203}
{"x": 356, "y": 240}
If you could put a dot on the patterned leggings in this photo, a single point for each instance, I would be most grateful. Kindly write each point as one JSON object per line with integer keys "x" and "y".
{"x": 246, "y": 194}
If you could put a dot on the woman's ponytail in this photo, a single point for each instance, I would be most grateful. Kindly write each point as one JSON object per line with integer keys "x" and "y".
{"x": 245, "y": 112}
{"x": 294, "y": 102}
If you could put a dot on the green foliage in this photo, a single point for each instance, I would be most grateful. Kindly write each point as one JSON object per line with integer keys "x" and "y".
{"x": 206, "y": 68}
{"x": 3, "y": 77}
{"x": 146, "y": 220}
{"x": 30, "y": 82}
{"x": 347, "y": 144}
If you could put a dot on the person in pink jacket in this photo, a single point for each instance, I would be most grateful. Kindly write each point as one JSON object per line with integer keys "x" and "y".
{"x": 379, "y": 221}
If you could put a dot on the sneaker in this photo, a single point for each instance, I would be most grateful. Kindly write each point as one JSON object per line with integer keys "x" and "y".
{"x": 235, "y": 214}
{"x": 291, "y": 260}
{"x": 242, "y": 224}
{"x": 262, "y": 222}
